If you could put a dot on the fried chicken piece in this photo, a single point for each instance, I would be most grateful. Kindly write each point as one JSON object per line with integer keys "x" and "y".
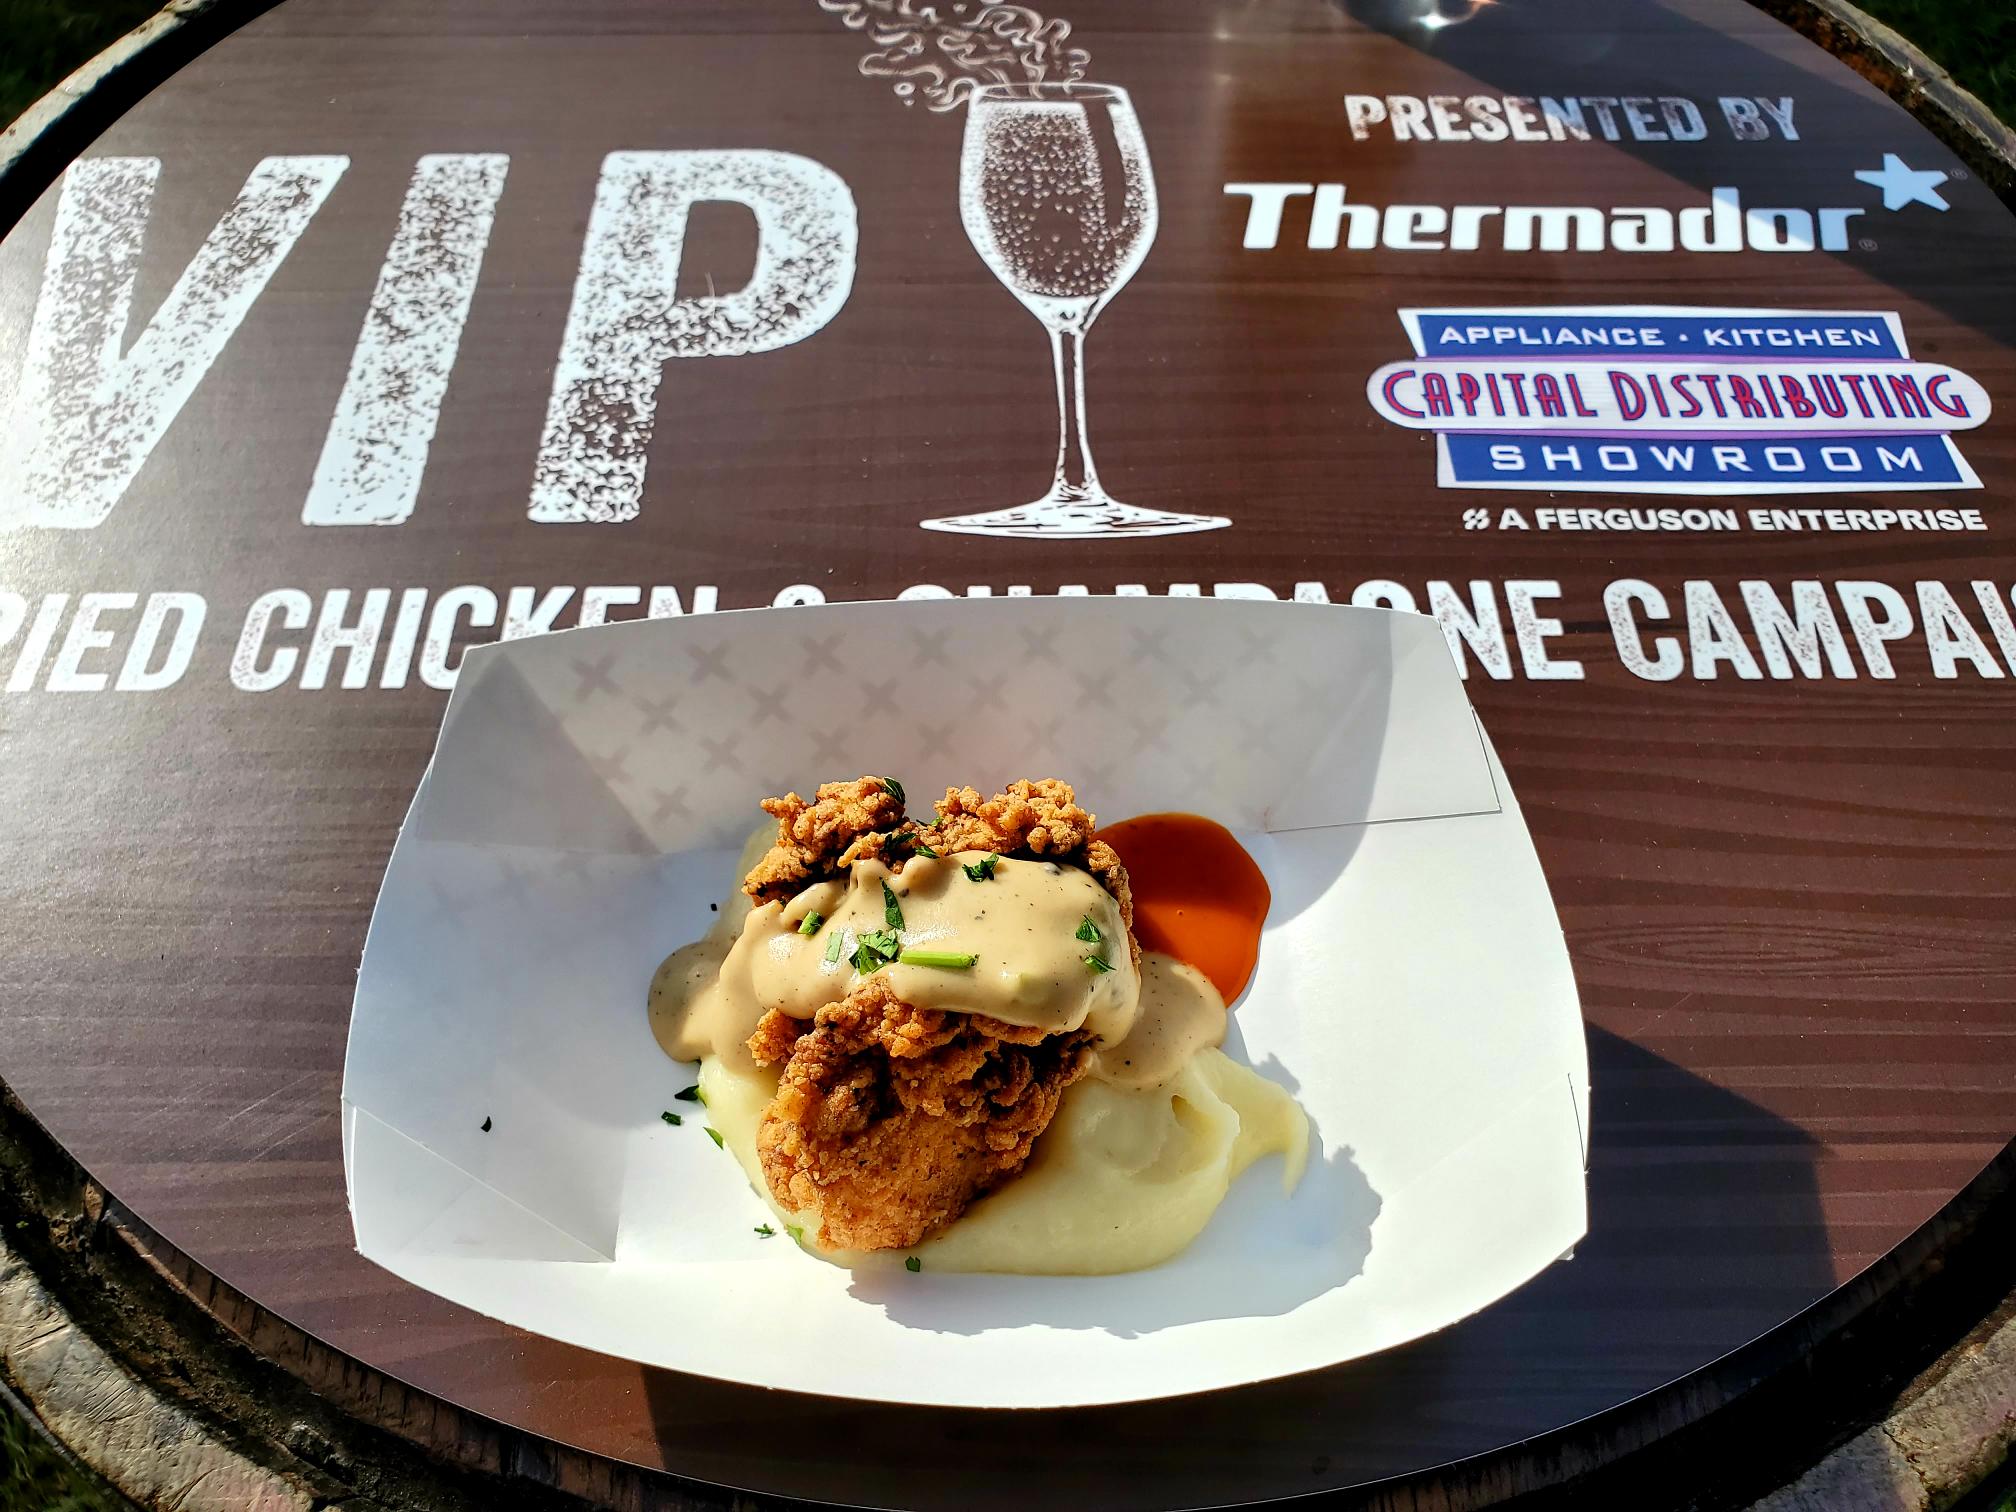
{"x": 845, "y": 822}
{"x": 1041, "y": 819}
{"x": 890, "y": 1119}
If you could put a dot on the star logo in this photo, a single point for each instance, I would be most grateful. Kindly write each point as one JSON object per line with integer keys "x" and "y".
{"x": 1903, "y": 186}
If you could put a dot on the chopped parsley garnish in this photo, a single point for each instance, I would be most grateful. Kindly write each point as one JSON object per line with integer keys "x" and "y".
{"x": 912, "y": 1264}
{"x": 691, "y": 1094}
{"x": 797, "y": 1234}
{"x": 873, "y": 950}
{"x": 834, "y": 946}
{"x": 672, "y": 1118}
{"x": 919, "y": 848}
{"x": 766, "y": 1231}
{"x": 894, "y": 789}
{"x": 809, "y": 925}
{"x": 950, "y": 960}
{"x": 715, "y": 1135}
{"x": 892, "y": 911}
{"x": 1088, "y": 931}
{"x": 486, "y": 1124}
{"x": 981, "y": 870}
{"x": 1098, "y": 964}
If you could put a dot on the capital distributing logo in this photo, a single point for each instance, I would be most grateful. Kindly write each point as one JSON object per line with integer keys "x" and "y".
{"x": 1685, "y": 400}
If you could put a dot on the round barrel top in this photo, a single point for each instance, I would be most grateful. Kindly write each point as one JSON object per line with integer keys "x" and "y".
{"x": 1656, "y": 353}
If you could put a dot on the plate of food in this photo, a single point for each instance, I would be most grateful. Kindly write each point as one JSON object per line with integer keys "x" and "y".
{"x": 945, "y": 984}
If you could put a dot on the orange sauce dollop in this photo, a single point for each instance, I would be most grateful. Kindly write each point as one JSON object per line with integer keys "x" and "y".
{"x": 1197, "y": 895}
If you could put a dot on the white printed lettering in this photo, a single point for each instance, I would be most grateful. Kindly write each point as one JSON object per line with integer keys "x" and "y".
{"x": 1534, "y": 630}
{"x": 1949, "y": 637}
{"x": 1876, "y": 613}
{"x": 1807, "y": 631}
{"x": 292, "y": 607}
{"x": 188, "y": 611}
{"x": 1621, "y": 600}
{"x": 376, "y": 449}
{"x": 67, "y": 675}
{"x": 625, "y": 322}
{"x": 84, "y": 417}
{"x": 1263, "y": 211}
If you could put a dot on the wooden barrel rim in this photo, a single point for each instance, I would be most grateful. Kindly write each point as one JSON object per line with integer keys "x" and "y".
{"x": 317, "y": 1420}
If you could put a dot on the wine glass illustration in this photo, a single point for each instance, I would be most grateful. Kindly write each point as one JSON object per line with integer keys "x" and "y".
{"x": 1064, "y": 225}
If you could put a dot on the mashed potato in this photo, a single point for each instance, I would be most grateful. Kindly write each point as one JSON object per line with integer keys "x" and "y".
{"x": 1123, "y": 1178}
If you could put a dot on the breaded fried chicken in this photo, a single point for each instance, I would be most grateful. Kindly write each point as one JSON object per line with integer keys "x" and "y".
{"x": 890, "y": 1119}
{"x": 1040, "y": 818}
{"x": 845, "y": 822}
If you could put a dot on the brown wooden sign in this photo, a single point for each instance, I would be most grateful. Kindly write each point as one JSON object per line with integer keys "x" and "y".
{"x": 1658, "y": 356}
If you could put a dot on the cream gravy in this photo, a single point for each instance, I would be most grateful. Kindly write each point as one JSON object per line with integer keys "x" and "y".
{"x": 1025, "y": 926}
{"x": 1180, "y": 1014}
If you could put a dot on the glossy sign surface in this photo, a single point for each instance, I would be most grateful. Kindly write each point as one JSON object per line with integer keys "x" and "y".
{"x": 380, "y": 329}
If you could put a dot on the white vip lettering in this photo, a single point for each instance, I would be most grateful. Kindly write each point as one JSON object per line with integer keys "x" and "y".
{"x": 1724, "y": 224}
{"x": 369, "y": 472}
{"x": 626, "y": 323}
{"x": 85, "y": 416}
{"x": 87, "y": 409}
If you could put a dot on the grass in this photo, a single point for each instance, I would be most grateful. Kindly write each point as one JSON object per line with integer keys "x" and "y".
{"x": 1973, "y": 40}
{"x": 42, "y": 40}
{"x": 35, "y": 1478}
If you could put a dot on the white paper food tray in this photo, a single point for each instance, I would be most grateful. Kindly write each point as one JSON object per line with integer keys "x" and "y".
{"x": 584, "y": 808}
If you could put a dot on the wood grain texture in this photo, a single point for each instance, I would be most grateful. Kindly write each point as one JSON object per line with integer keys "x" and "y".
{"x": 1788, "y": 903}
